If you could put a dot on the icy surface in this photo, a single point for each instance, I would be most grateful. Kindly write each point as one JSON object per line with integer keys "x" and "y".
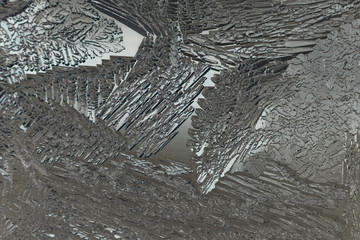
{"x": 270, "y": 88}
{"x": 49, "y": 33}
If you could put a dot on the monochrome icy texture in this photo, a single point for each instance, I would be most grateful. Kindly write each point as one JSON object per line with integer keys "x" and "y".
{"x": 275, "y": 142}
{"x": 225, "y": 131}
{"x": 49, "y": 33}
{"x": 300, "y": 118}
{"x": 130, "y": 197}
{"x": 83, "y": 88}
{"x": 165, "y": 87}
{"x": 234, "y": 31}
